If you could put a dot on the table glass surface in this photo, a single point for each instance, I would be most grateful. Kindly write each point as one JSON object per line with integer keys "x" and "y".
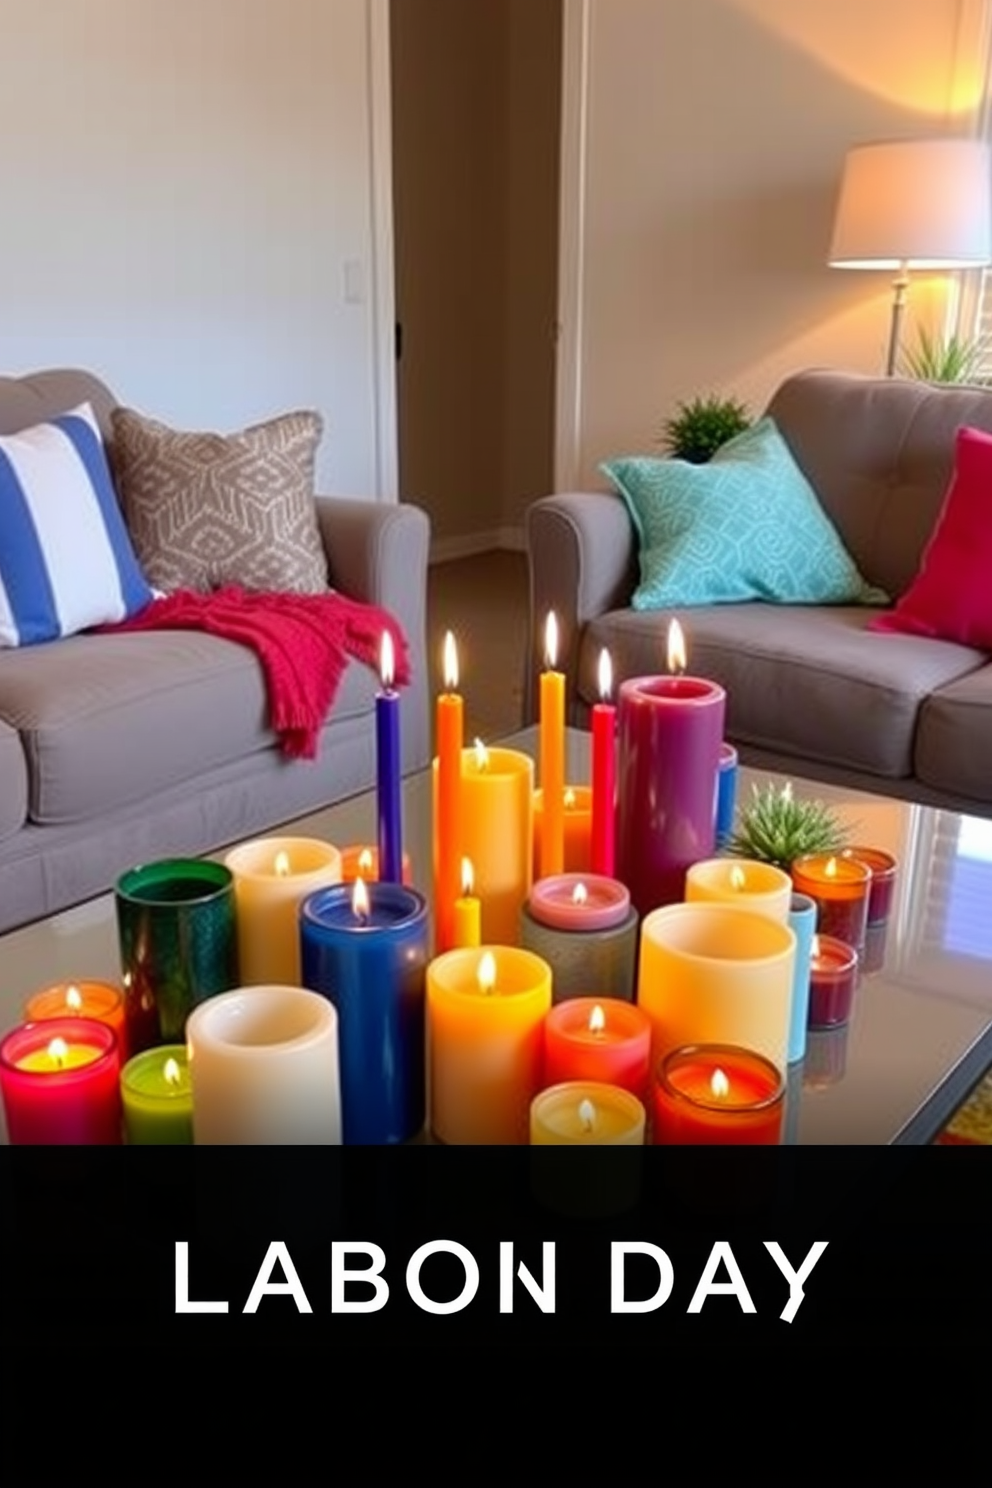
{"x": 921, "y": 1029}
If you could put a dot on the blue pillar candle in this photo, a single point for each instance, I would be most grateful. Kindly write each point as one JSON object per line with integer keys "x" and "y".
{"x": 388, "y": 773}
{"x": 370, "y": 962}
{"x": 726, "y": 794}
{"x": 802, "y": 921}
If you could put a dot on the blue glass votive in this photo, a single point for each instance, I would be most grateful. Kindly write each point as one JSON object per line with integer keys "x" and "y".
{"x": 802, "y": 921}
{"x": 372, "y": 967}
{"x": 726, "y": 794}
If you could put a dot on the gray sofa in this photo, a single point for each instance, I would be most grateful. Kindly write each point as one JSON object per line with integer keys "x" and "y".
{"x": 115, "y": 749}
{"x": 810, "y": 691}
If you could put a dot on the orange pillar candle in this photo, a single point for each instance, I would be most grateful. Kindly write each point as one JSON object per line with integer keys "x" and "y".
{"x": 576, "y": 830}
{"x": 485, "y": 1015}
{"x": 99, "y": 1000}
{"x": 497, "y": 830}
{"x": 552, "y": 755}
{"x": 587, "y": 1113}
{"x": 448, "y": 847}
{"x": 760, "y": 887}
{"x": 840, "y": 886}
{"x": 603, "y": 1039}
{"x": 468, "y": 910}
{"x": 718, "y": 1094}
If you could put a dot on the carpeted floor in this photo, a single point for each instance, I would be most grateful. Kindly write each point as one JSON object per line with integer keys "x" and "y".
{"x": 971, "y": 1124}
{"x": 483, "y": 601}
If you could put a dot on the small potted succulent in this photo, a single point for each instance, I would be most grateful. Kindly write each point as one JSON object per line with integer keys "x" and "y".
{"x": 776, "y": 828}
{"x": 698, "y": 429}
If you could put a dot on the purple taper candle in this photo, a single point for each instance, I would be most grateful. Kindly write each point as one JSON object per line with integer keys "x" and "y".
{"x": 670, "y": 732}
{"x": 387, "y": 748}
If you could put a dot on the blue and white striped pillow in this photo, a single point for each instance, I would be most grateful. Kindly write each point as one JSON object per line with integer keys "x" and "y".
{"x": 66, "y": 560}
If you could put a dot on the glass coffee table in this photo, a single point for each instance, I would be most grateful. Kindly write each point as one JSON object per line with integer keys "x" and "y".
{"x": 920, "y": 1035}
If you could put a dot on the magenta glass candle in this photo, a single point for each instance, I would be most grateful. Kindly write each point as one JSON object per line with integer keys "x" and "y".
{"x": 60, "y": 1080}
{"x": 883, "y": 880}
{"x": 833, "y": 977}
{"x": 670, "y": 735}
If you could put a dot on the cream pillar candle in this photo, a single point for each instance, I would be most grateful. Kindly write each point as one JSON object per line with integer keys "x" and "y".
{"x": 760, "y": 887}
{"x": 716, "y": 974}
{"x": 272, "y": 877}
{"x": 263, "y": 1065}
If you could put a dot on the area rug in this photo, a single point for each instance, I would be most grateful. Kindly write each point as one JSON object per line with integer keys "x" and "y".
{"x": 971, "y": 1124}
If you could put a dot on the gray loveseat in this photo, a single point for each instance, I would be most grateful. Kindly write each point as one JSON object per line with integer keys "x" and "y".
{"x": 115, "y": 749}
{"x": 810, "y": 691}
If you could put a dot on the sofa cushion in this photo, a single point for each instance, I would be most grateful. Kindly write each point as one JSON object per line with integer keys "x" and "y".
{"x": 813, "y": 682}
{"x": 13, "y": 782}
{"x": 107, "y": 720}
{"x": 66, "y": 560}
{"x": 951, "y": 596}
{"x": 954, "y": 737}
{"x": 207, "y": 510}
{"x": 747, "y": 525}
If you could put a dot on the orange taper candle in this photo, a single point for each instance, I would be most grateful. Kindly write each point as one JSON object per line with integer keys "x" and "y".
{"x": 552, "y": 746}
{"x": 447, "y": 843}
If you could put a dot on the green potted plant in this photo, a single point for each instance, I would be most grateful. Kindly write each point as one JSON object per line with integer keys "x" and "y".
{"x": 950, "y": 358}
{"x": 698, "y": 428}
{"x": 776, "y": 828}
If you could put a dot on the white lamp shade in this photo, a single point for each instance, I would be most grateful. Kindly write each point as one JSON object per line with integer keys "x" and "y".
{"x": 925, "y": 204}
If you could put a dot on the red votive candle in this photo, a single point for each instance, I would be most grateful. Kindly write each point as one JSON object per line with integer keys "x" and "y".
{"x": 883, "y": 880}
{"x": 712, "y": 1094}
{"x": 60, "y": 1080}
{"x": 601, "y": 1039}
{"x": 833, "y": 976}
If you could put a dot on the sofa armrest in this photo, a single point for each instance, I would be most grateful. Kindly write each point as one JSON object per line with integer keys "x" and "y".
{"x": 582, "y": 554}
{"x": 377, "y": 552}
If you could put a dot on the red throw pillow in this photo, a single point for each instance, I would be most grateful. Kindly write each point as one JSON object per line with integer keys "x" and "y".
{"x": 951, "y": 596}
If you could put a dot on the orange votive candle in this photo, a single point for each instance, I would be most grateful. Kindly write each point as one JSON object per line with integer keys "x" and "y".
{"x": 598, "y": 1038}
{"x": 576, "y": 830}
{"x": 716, "y": 1093}
{"x": 85, "y": 999}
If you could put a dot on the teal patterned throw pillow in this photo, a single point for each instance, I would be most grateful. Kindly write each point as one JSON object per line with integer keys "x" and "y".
{"x": 747, "y": 525}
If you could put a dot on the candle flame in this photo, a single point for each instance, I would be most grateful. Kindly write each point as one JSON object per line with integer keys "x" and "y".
{"x": 486, "y": 974}
{"x": 605, "y": 675}
{"x": 360, "y": 899}
{"x": 830, "y": 871}
{"x": 597, "y": 1020}
{"x": 365, "y": 862}
{"x": 450, "y": 662}
{"x": 580, "y": 894}
{"x": 551, "y": 641}
{"x": 73, "y": 999}
{"x": 738, "y": 878}
{"x": 587, "y": 1115}
{"x": 676, "y": 648}
{"x": 468, "y": 877}
{"x": 569, "y": 799}
{"x": 481, "y": 755}
{"x": 170, "y": 1072}
{"x": 58, "y": 1051}
{"x": 720, "y": 1085}
{"x": 387, "y": 660}
{"x": 281, "y": 865}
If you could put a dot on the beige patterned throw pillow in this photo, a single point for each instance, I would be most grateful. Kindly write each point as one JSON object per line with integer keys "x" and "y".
{"x": 205, "y": 510}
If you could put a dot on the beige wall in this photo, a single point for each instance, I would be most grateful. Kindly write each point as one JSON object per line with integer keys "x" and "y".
{"x": 188, "y": 210}
{"x": 716, "y": 133}
{"x": 475, "y": 141}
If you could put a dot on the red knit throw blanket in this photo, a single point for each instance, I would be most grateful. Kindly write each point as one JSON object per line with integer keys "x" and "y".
{"x": 303, "y": 642}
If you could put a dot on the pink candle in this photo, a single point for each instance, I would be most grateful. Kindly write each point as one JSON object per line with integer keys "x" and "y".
{"x": 604, "y": 773}
{"x": 670, "y": 734}
{"x": 60, "y": 1080}
{"x": 833, "y": 976}
{"x": 579, "y": 901}
{"x": 603, "y": 1039}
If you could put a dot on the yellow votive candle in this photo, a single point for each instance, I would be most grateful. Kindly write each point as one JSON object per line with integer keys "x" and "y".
{"x": 585, "y": 1113}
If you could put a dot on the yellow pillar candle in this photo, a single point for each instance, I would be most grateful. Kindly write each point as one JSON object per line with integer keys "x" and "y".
{"x": 716, "y": 974}
{"x": 485, "y": 1016}
{"x": 585, "y": 1113}
{"x": 272, "y": 877}
{"x": 552, "y": 755}
{"x": 467, "y": 910}
{"x": 496, "y": 831}
{"x": 760, "y": 887}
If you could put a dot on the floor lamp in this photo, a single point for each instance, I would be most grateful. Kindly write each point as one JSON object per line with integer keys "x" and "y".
{"x": 914, "y": 204}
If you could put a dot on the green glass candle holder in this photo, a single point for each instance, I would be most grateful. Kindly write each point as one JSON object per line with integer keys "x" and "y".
{"x": 178, "y": 944}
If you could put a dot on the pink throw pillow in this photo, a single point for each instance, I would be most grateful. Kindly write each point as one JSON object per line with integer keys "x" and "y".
{"x": 951, "y": 596}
